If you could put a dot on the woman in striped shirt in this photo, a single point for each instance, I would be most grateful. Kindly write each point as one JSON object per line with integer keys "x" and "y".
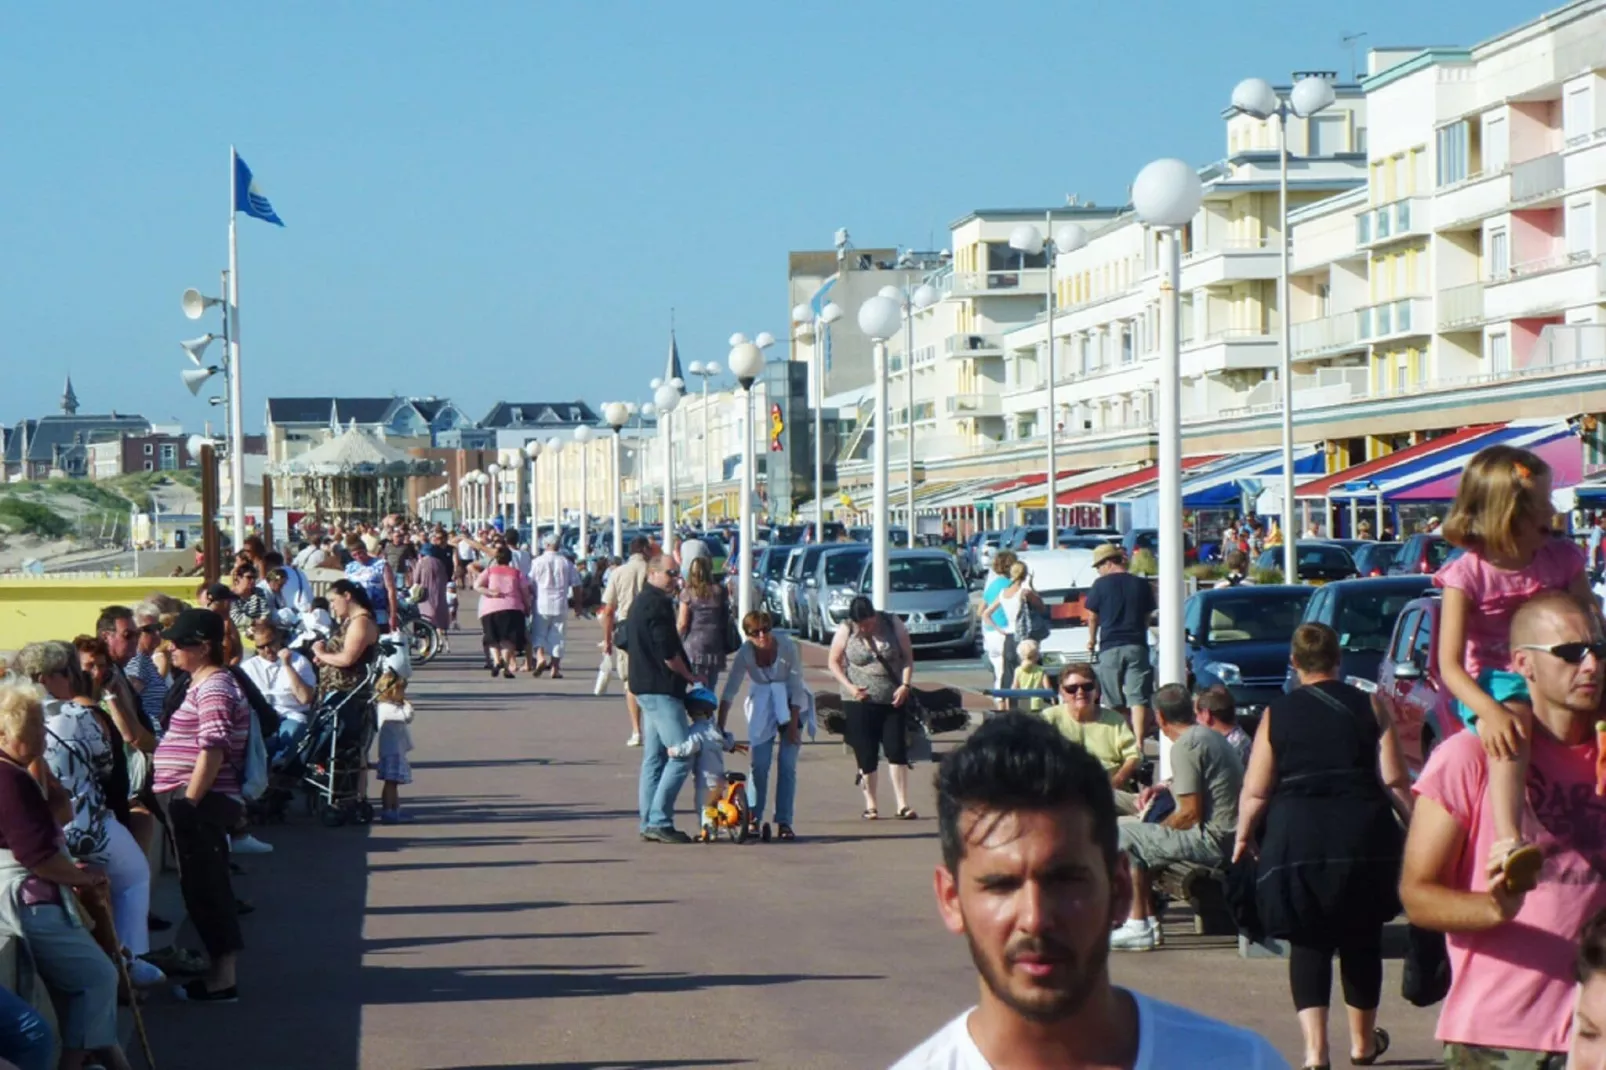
{"x": 199, "y": 765}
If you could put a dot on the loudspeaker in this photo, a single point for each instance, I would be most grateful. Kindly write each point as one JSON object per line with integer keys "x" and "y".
{"x": 195, "y": 378}
{"x": 195, "y": 303}
{"x": 197, "y": 346}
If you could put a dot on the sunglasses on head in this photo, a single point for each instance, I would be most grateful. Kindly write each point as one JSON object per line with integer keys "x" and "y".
{"x": 1571, "y": 653}
{"x": 1079, "y": 689}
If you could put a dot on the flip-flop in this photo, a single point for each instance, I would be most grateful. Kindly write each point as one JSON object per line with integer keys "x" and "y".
{"x": 906, "y": 814}
{"x": 1380, "y": 1045}
{"x": 871, "y": 814}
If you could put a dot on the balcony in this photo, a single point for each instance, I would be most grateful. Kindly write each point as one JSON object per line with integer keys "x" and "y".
{"x": 1338, "y": 333}
{"x": 1229, "y": 350}
{"x": 1537, "y": 179}
{"x": 1461, "y": 307}
{"x": 975, "y": 405}
{"x": 1028, "y": 281}
{"x": 1323, "y": 388}
{"x": 1584, "y": 161}
{"x": 1404, "y": 218}
{"x": 1464, "y": 204}
{"x": 964, "y": 346}
{"x": 1541, "y": 287}
{"x": 1230, "y": 261}
{"x": 1400, "y": 318}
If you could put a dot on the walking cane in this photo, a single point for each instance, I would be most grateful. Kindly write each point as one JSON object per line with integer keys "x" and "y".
{"x": 133, "y": 1005}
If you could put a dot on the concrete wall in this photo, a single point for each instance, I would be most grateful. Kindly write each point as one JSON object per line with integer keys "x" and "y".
{"x": 32, "y": 610}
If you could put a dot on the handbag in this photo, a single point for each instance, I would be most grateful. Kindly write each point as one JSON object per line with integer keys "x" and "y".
{"x": 1031, "y": 622}
{"x": 1426, "y": 978}
{"x": 733, "y": 634}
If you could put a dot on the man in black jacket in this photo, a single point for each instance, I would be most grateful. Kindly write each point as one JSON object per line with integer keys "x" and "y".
{"x": 659, "y": 674}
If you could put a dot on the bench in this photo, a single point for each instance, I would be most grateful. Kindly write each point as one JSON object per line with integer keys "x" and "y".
{"x": 1204, "y": 889}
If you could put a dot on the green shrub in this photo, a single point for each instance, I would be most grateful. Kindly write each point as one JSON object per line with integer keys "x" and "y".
{"x": 31, "y": 518}
{"x": 1144, "y": 563}
{"x": 1266, "y": 575}
{"x": 1207, "y": 573}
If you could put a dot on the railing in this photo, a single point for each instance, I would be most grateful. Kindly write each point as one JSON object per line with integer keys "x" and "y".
{"x": 1461, "y": 305}
{"x": 1391, "y": 317}
{"x": 1025, "y": 280}
{"x": 1225, "y": 334}
{"x": 1335, "y": 332}
{"x": 1538, "y": 177}
{"x": 975, "y": 405}
{"x": 1395, "y": 219}
{"x": 959, "y": 345}
{"x": 1540, "y": 265}
{"x": 1228, "y": 246}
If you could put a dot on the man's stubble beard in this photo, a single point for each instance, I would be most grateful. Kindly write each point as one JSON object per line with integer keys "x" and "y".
{"x": 1089, "y": 973}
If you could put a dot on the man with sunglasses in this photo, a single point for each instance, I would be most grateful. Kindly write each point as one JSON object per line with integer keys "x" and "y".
{"x": 659, "y": 675}
{"x": 1511, "y": 955}
{"x": 1103, "y": 733}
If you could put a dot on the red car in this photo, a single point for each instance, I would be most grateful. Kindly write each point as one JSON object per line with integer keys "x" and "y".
{"x": 1410, "y": 686}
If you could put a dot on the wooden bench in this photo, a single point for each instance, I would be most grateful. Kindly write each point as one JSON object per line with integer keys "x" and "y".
{"x": 1204, "y": 889}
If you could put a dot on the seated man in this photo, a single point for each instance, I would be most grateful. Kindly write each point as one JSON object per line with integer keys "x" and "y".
{"x": 286, "y": 679}
{"x": 1206, "y": 777}
{"x": 1102, "y": 732}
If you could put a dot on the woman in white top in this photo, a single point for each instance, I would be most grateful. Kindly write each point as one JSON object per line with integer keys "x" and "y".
{"x": 778, "y": 706}
{"x": 1011, "y": 598}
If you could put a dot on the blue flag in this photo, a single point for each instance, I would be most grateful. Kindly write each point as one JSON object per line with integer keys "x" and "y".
{"x": 248, "y": 198}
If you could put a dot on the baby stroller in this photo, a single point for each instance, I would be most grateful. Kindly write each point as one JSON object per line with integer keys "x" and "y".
{"x": 330, "y": 762}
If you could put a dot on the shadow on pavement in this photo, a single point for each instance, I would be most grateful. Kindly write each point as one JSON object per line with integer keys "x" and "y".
{"x": 434, "y": 985}
{"x": 407, "y": 943}
{"x": 507, "y": 863}
{"x": 510, "y": 908}
{"x": 498, "y": 763}
{"x": 651, "y": 1064}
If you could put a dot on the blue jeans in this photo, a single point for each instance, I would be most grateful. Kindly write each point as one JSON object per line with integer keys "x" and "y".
{"x": 25, "y": 1039}
{"x": 289, "y": 734}
{"x": 80, "y": 976}
{"x": 758, "y": 783}
{"x": 663, "y": 725}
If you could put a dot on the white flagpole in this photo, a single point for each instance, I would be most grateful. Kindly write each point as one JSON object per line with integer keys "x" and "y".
{"x": 236, "y": 406}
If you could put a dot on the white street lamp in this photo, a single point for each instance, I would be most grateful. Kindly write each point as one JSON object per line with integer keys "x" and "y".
{"x": 705, "y": 372}
{"x": 617, "y": 414}
{"x": 909, "y": 301}
{"x": 666, "y": 396}
{"x": 1029, "y": 241}
{"x": 878, "y": 318}
{"x": 554, "y": 446}
{"x": 818, "y": 329}
{"x": 582, "y": 435}
{"x": 1256, "y": 98}
{"x": 1166, "y": 195}
{"x": 746, "y": 362}
{"x": 494, "y": 472}
{"x": 532, "y": 453}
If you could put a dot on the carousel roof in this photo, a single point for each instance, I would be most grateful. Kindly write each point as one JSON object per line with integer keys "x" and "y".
{"x": 355, "y": 453}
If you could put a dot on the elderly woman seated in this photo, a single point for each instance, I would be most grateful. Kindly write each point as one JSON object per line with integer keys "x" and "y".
{"x": 37, "y": 879}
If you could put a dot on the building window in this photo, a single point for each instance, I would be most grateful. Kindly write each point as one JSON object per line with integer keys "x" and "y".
{"x": 1577, "y": 114}
{"x": 1496, "y": 146}
{"x": 149, "y": 449}
{"x": 1499, "y": 354}
{"x": 169, "y": 457}
{"x": 1454, "y": 159}
{"x": 1328, "y": 134}
{"x": 1127, "y": 355}
{"x": 149, "y": 467}
{"x": 1581, "y": 230}
{"x": 1499, "y": 255}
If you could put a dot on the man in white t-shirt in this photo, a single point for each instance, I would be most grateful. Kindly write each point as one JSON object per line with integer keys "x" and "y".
{"x": 554, "y": 577}
{"x": 286, "y": 679}
{"x": 1031, "y": 877}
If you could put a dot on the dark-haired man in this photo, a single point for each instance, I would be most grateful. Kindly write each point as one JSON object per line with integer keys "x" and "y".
{"x": 625, "y": 583}
{"x": 1032, "y": 878}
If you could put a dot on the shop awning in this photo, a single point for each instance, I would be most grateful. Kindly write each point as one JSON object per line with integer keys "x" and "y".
{"x": 1095, "y": 493}
{"x": 1435, "y": 476}
{"x": 1011, "y": 490}
{"x": 1377, "y": 467}
{"x": 1075, "y": 480}
{"x": 1225, "y": 487}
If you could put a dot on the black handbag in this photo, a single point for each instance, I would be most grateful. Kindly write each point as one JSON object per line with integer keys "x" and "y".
{"x": 733, "y": 634}
{"x": 1426, "y": 978}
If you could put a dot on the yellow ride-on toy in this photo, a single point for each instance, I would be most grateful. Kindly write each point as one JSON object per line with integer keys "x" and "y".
{"x": 727, "y": 811}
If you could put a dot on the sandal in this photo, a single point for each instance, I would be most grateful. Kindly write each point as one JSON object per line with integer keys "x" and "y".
{"x": 871, "y": 814}
{"x": 906, "y": 814}
{"x": 1521, "y": 868}
{"x": 784, "y": 833}
{"x": 1380, "y": 1045}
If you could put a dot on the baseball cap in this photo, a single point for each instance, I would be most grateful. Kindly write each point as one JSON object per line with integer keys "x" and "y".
{"x": 194, "y": 625}
{"x": 219, "y": 592}
{"x": 371, "y": 544}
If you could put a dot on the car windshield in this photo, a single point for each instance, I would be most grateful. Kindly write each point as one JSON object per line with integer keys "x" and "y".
{"x": 787, "y": 535}
{"x": 1323, "y": 557}
{"x": 1082, "y": 542}
{"x": 1438, "y": 552}
{"x": 1255, "y": 617}
{"x": 774, "y": 565}
{"x": 924, "y": 574}
{"x": 1364, "y": 618}
{"x": 843, "y": 568}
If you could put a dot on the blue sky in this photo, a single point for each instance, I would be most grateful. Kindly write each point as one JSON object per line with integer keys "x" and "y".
{"x": 504, "y": 200}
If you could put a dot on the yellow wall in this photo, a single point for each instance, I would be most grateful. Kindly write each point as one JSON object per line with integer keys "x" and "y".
{"x": 32, "y": 610}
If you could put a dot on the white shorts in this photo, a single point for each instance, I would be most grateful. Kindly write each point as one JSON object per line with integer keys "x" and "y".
{"x": 546, "y": 633}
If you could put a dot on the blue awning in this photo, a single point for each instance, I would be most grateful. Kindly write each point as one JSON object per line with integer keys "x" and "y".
{"x": 1529, "y": 434}
{"x": 1223, "y": 486}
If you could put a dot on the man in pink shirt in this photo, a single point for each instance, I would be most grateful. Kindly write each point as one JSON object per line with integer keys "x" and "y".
{"x": 1511, "y": 956}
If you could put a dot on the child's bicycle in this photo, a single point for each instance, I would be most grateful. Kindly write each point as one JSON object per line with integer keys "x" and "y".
{"x": 727, "y": 812}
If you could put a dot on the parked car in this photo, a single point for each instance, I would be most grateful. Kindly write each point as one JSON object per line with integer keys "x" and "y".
{"x": 1409, "y": 685}
{"x": 1061, "y": 579}
{"x": 768, "y": 570}
{"x": 927, "y": 593}
{"x": 897, "y": 538}
{"x": 834, "y": 530}
{"x": 1149, "y": 539}
{"x": 786, "y": 534}
{"x": 983, "y": 545}
{"x": 1316, "y": 562}
{"x": 1422, "y": 554}
{"x": 799, "y": 576}
{"x": 1240, "y": 637}
{"x": 1363, "y": 613}
{"x": 835, "y": 582}
{"x": 1374, "y": 558}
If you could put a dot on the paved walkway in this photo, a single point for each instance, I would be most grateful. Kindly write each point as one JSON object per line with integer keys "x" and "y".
{"x": 522, "y": 923}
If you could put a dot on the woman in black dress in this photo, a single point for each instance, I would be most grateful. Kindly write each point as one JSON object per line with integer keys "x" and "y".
{"x": 1327, "y": 776}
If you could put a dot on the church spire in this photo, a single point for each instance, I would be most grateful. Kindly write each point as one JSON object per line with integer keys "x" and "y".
{"x": 69, "y": 400}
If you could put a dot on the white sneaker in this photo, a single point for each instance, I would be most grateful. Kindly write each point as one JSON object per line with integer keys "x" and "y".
{"x": 249, "y": 845}
{"x": 634, "y": 740}
{"x": 1135, "y": 936}
{"x": 144, "y": 975}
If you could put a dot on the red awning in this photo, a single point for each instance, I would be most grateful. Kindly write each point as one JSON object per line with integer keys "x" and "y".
{"x": 1031, "y": 480}
{"x": 1094, "y": 493}
{"x": 1320, "y": 488}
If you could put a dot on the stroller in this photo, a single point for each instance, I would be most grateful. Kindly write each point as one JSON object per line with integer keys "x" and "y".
{"x": 330, "y": 763}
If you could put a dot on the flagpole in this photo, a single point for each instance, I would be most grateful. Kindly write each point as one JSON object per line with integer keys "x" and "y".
{"x": 236, "y": 407}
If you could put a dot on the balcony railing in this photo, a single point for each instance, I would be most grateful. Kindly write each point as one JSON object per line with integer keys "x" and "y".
{"x": 1537, "y": 178}
{"x": 1329, "y": 334}
{"x": 1393, "y": 220}
{"x": 1228, "y": 246}
{"x": 1023, "y": 281}
{"x": 1461, "y": 306}
{"x": 961, "y": 345}
{"x": 975, "y": 405}
{"x": 1540, "y": 265}
{"x": 1403, "y": 316}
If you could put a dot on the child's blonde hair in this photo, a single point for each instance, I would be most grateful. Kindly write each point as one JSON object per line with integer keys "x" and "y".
{"x": 1499, "y": 486}
{"x": 1017, "y": 571}
{"x": 1027, "y": 649}
{"x": 390, "y": 688}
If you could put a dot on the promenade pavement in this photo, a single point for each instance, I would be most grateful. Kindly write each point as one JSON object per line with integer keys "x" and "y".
{"x": 521, "y": 923}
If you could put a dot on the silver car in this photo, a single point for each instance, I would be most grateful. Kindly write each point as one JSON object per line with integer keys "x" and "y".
{"x": 834, "y": 583}
{"x": 926, "y": 592}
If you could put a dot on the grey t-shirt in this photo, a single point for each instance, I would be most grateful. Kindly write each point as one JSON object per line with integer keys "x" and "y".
{"x": 1204, "y": 763}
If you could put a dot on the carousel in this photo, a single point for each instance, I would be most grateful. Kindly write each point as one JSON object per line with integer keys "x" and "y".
{"x": 354, "y": 476}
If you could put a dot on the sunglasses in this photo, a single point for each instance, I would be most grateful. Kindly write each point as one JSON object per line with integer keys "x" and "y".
{"x": 756, "y": 632}
{"x": 1571, "y": 653}
{"x": 1079, "y": 689}
{"x": 189, "y": 644}
{"x": 150, "y": 629}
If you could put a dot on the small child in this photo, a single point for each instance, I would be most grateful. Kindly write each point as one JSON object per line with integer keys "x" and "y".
{"x": 395, "y": 713}
{"x": 707, "y": 746}
{"x": 1501, "y": 518}
{"x": 1029, "y": 675}
{"x": 451, "y": 605}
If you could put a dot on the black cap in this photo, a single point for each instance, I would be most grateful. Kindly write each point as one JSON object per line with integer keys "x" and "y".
{"x": 195, "y": 624}
{"x": 219, "y": 592}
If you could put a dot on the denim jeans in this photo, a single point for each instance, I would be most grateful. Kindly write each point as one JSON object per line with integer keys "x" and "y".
{"x": 758, "y": 784}
{"x": 25, "y": 1039}
{"x": 663, "y": 725}
{"x": 80, "y": 976}
{"x": 285, "y": 739}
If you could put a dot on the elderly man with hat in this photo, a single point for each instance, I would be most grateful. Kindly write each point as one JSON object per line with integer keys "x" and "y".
{"x": 553, "y": 576}
{"x": 1118, "y": 608}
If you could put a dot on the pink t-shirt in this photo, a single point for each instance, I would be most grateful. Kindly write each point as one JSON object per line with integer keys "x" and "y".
{"x": 1497, "y": 592}
{"x": 1512, "y": 986}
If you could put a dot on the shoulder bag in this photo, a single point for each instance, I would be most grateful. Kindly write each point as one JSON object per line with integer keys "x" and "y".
{"x": 733, "y": 633}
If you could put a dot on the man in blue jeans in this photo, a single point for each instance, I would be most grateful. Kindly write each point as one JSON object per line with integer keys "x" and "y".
{"x": 659, "y": 674}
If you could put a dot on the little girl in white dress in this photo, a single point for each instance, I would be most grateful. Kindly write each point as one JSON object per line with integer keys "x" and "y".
{"x": 395, "y": 742}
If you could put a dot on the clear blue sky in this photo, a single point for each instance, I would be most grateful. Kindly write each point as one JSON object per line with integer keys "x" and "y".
{"x": 504, "y": 199}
